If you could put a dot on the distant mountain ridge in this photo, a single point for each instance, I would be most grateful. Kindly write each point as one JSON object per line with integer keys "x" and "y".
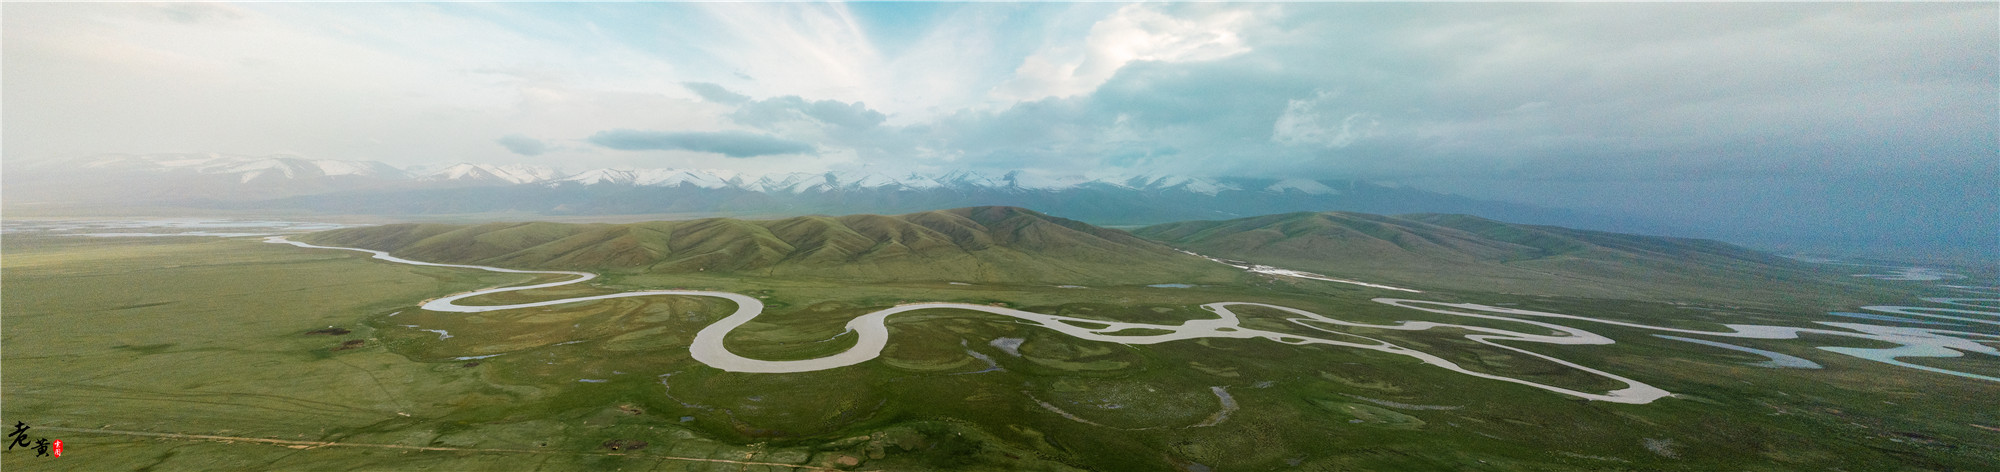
{"x": 977, "y": 245}
{"x": 493, "y": 174}
{"x": 120, "y": 178}
{"x": 831, "y": 181}
{"x": 1437, "y": 253}
{"x": 247, "y": 169}
{"x": 1148, "y": 200}
{"x": 1460, "y": 252}
{"x": 288, "y": 183}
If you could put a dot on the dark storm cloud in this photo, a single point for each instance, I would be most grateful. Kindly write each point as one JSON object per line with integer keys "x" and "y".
{"x": 727, "y": 143}
{"x": 523, "y": 145}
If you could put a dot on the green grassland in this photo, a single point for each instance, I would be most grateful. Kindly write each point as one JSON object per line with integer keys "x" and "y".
{"x": 1461, "y": 252}
{"x": 105, "y": 337}
{"x": 978, "y": 244}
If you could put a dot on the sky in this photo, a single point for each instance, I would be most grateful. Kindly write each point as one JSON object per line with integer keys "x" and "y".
{"x": 1864, "y": 124}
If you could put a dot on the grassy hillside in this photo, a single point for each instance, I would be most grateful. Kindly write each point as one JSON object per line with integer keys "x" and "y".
{"x": 1460, "y": 252}
{"x": 978, "y": 244}
{"x": 186, "y": 353}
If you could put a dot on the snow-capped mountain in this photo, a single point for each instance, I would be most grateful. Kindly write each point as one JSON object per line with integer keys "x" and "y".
{"x": 863, "y": 180}
{"x": 1309, "y": 187}
{"x": 792, "y": 182}
{"x": 917, "y": 181}
{"x": 966, "y": 178}
{"x": 703, "y": 178}
{"x": 488, "y": 173}
{"x": 848, "y": 181}
{"x": 1179, "y": 182}
{"x": 247, "y": 169}
{"x": 215, "y": 172}
{"x": 179, "y": 178}
{"x": 366, "y": 187}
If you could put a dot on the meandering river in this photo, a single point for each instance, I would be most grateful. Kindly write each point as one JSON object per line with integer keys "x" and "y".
{"x": 873, "y": 332}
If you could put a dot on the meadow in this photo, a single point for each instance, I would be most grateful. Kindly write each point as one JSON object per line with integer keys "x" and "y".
{"x": 184, "y": 353}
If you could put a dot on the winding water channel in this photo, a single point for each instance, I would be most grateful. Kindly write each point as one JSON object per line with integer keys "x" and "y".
{"x": 708, "y": 348}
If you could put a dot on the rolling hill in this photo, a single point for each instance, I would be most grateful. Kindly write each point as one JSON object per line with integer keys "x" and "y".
{"x": 977, "y": 244}
{"x": 1467, "y": 253}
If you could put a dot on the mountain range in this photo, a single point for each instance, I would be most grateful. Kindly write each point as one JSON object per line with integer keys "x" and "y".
{"x": 1461, "y": 252}
{"x": 976, "y": 245}
{"x": 291, "y": 183}
{"x": 125, "y": 179}
{"x": 1008, "y": 245}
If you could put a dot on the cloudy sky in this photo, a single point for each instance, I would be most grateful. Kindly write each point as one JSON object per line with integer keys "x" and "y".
{"x": 1757, "y": 119}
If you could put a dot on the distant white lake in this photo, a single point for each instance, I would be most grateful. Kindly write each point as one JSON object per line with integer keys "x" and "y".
{"x": 165, "y": 227}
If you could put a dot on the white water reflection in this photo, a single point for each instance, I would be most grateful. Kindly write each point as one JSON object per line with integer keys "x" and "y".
{"x": 1268, "y": 270}
{"x": 1898, "y": 319}
{"x": 1931, "y": 312}
{"x": 1777, "y": 360}
{"x": 1912, "y": 342}
{"x": 872, "y": 331}
{"x": 1913, "y": 274}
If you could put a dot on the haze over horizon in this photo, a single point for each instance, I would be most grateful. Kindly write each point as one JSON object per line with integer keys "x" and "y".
{"x": 1857, "y": 126}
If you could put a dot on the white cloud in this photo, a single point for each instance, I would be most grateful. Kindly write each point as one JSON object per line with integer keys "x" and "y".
{"x": 1316, "y": 121}
{"x": 808, "y": 49}
{"x": 1211, "y": 88}
{"x": 404, "y": 84}
{"x": 1136, "y": 32}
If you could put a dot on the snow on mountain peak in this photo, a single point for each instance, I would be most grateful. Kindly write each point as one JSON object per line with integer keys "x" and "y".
{"x": 598, "y": 176}
{"x": 704, "y": 178}
{"x": 917, "y": 181}
{"x": 1036, "y": 181}
{"x": 1310, "y": 187}
{"x": 1180, "y": 182}
{"x": 246, "y": 168}
{"x": 789, "y": 182}
{"x": 966, "y": 178}
{"x": 512, "y": 173}
{"x": 333, "y": 168}
{"x": 679, "y": 177}
{"x": 862, "y": 180}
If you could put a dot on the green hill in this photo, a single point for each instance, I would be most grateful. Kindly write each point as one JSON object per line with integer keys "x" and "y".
{"x": 978, "y": 244}
{"x": 1460, "y": 252}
